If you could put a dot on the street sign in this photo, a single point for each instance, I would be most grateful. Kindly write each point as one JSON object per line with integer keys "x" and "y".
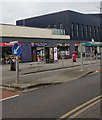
{"x": 81, "y": 48}
{"x": 16, "y": 49}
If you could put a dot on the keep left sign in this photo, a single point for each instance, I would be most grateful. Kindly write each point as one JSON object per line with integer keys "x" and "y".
{"x": 16, "y": 50}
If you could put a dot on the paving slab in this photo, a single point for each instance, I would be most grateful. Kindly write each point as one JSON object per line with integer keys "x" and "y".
{"x": 64, "y": 76}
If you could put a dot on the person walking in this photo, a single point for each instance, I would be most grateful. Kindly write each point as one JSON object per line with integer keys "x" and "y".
{"x": 95, "y": 53}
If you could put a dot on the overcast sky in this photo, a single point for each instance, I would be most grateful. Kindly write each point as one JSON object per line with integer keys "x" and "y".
{"x": 12, "y": 10}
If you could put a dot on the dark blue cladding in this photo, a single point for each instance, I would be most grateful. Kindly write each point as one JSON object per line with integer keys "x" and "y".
{"x": 26, "y": 52}
{"x": 81, "y": 27}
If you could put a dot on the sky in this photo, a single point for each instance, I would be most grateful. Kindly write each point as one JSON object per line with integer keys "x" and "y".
{"x": 12, "y": 10}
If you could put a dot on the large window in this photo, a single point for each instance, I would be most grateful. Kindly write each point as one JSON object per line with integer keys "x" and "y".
{"x": 94, "y": 32}
{"x": 72, "y": 28}
{"x": 97, "y": 29}
{"x": 86, "y": 31}
{"x": 55, "y": 26}
{"x": 90, "y": 31}
{"x": 77, "y": 27}
{"x": 48, "y": 26}
{"x": 61, "y": 26}
{"x": 82, "y": 30}
{"x": 62, "y": 31}
{"x": 58, "y": 30}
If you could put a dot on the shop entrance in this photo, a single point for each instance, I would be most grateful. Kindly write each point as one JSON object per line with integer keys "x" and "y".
{"x": 37, "y": 51}
{"x": 49, "y": 55}
{"x": 34, "y": 56}
{"x": 63, "y": 51}
{"x": 6, "y": 54}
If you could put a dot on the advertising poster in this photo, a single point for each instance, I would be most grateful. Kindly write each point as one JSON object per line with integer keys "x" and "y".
{"x": 55, "y": 54}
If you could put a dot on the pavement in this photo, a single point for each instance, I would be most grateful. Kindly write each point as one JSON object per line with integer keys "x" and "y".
{"x": 34, "y": 67}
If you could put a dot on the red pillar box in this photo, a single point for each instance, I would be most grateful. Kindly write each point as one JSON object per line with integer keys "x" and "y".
{"x": 38, "y": 58}
{"x": 74, "y": 56}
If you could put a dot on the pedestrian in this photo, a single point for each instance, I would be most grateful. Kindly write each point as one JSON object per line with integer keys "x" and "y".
{"x": 38, "y": 58}
{"x": 95, "y": 52}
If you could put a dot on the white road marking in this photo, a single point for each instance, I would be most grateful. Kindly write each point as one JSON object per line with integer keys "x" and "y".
{"x": 9, "y": 98}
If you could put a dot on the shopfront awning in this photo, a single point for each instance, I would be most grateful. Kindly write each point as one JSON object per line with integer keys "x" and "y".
{"x": 88, "y": 44}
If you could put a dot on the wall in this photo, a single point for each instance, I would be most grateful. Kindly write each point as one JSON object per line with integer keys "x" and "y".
{"x": 89, "y": 20}
{"x": 66, "y": 18}
{"x": 28, "y": 32}
{"x": 26, "y": 52}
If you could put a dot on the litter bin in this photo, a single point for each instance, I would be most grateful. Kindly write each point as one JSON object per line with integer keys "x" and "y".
{"x": 2, "y": 61}
{"x": 12, "y": 65}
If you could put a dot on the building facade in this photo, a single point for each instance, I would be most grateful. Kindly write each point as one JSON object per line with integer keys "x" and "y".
{"x": 80, "y": 27}
{"x": 34, "y": 42}
{"x": 52, "y": 36}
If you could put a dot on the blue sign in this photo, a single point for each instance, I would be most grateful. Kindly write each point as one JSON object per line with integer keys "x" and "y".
{"x": 16, "y": 50}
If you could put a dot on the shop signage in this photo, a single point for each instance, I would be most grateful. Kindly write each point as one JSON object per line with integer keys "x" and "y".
{"x": 81, "y": 48}
{"x": 7, "y": 44}
{"x": 63, "y": 44}
{"x": 67, "y": 44}
{"x": 59, "y": 44}
{"x": 77, "y": 44}
{"x": 52, "y": 44}
{"x": 39, "y": 44}
{"x": 55, "y": 54}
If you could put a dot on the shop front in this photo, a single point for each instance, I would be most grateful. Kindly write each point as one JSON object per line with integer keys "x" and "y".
{"x": 76, "y": 49}
{"x": 38, "y": 50}
{"x": 63, "y": 50}
{"x": 46, "y": 51}
{"x": 7, "y": 52}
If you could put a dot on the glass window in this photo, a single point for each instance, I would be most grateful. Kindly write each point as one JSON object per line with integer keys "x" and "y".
{"x": 61, "y": 26}
{"x": 90, "y": 31}
{"x": 86, "y": 31}
{"x": 77, "y": 30}
{"x": 55, "y": 26}
{"x": 94, "y": 32}
{"x": 48, "y": 26}
{"x": 72, "y": 28}
{"x": 82, "y": 30}
{"x": 97, "y": 31}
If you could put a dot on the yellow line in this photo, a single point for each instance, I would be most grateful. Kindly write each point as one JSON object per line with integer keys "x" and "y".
{"x": 84, "y": 109}
{"x": 79, "y": 107}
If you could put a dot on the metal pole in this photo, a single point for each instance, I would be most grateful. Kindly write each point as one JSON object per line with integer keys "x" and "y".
{"x": 91, "y": 55}
{"x": 17, "y": 70}
{"x": 82, "y": 67}
{"x": 63, "y": 61}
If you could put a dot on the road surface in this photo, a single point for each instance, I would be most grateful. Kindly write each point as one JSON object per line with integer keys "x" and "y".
{"x": 54, "y": 101}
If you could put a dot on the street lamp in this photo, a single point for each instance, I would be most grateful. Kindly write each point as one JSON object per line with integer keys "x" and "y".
{"x": 92, "y": 41}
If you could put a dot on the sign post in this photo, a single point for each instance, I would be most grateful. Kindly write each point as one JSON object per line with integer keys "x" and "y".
{"x": 81, "y": 49}
{"x": 16, "y": 50}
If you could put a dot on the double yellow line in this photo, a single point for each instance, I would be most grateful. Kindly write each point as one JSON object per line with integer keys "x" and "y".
{"x": 75, "y": 112}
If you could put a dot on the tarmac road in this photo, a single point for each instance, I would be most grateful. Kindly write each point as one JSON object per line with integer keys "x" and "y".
{"x": 54, "y": 101}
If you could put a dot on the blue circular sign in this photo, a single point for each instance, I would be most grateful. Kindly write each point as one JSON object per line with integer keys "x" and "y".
{"x": 16, "y": 50}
